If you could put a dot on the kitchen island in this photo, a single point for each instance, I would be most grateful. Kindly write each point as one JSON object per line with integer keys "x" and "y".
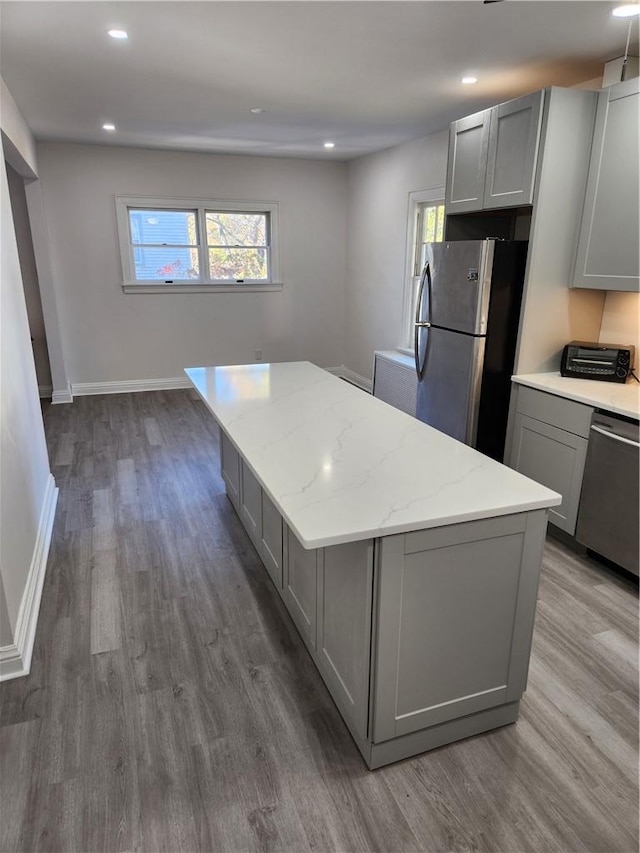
{"x": 408, "y": 561}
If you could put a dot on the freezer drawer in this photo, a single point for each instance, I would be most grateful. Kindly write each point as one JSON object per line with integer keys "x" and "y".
{"x": 449, "y": 392}
{"x": 608, "y": 518}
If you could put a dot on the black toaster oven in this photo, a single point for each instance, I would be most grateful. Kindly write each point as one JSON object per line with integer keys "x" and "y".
{"x": 588, "y": 360}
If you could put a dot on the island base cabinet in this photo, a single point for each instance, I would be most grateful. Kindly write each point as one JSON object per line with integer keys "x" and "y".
{"x": 230, "y": 469}
{"x": 456, "y": 607}
{"x": 422, "y": 638}
{"x": 300, "y": 587}
{"x": 345, "y": 591}
{"x": 271, "y": 540}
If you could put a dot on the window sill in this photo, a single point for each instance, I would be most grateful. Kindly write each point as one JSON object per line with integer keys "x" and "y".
{"x": 200, "y": 288}
{"x": 405, "y": 351}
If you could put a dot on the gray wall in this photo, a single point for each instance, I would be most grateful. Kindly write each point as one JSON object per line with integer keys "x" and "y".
{"x": 378, "y": 203}
{"x": 110, "y": 336}
{"x": 24, "y": 465}
{"x": 29, "y": 277}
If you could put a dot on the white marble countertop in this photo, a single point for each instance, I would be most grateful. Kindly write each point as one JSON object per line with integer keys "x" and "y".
{"x": 621, "y": 398}
{"x": 343, "y": 466}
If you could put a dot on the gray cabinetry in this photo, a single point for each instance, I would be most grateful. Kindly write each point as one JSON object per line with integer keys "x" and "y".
{"x": 300, "y": 587}
{"x": 608, "y": 254}
{"x": 271, "y": 540}
{"x": 493, "y": 155}
{"x": 345, "y": 589}
{"x": 459, "y": 605}
{"x": 421, "y": 638}
{"x": 251, "y": 503}
{"x": 514, "y": 136}
{"x": 549, "y": 444}
{"x": 230, "y": 468}
{"x": 467, "y": 163}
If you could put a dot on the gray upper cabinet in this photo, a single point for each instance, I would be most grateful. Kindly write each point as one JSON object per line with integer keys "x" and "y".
{"x": 608, "y": 255}
{"x": 493, "y": 155}
{"x": 514, "y": 137}
{"x": 467, "y": 163}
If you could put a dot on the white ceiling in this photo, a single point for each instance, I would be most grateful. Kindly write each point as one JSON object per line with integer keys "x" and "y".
{"x": 367, "y": 75}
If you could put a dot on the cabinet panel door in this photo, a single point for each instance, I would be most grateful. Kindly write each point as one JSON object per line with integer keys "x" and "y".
{"x": 608, "y": 256}
{"x": 300, "y": 589}
{"x": 554, "y": 458}
{"x": 514, "y": 137}
{"x": 251, "y": 504}
{"x": 230, "y": 468}
{"x": 467, "y": 163}
{"x": 456, "y": 610}
{"x": 271, "y": 545}
{"x": 345, "y": 588}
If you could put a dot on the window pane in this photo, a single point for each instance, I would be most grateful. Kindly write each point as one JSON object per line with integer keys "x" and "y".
{"x": 236, "y": 263}
{"x": 166, "y": 263}
{"x": 236, "y": 229}
{"x": 163, "y": 227}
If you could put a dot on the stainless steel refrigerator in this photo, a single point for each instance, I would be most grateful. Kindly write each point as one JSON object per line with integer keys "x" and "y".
{"x": 466, "y": 328}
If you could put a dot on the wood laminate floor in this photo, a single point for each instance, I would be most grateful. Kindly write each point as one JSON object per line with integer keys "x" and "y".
{"x": 172, "y": 706}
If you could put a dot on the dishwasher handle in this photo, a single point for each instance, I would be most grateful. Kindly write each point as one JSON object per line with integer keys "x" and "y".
{"x": 614, "y": 436}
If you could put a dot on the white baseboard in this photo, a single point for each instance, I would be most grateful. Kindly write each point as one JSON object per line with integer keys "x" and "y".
{"x": 82, "y": 389}
{"x": 350, "y": 376}
{"x": 64, "y": 396}
{"x": 355, "y": 379}
{"x": 15, "y": 660}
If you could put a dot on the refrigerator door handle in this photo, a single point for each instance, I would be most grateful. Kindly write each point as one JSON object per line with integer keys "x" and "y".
{"x": 421, "y": 324}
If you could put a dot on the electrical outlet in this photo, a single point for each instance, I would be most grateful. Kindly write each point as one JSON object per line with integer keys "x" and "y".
{"x": 258, "y": 355}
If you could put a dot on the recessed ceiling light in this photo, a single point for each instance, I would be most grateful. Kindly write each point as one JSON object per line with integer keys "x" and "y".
{"x": 469, "y": 80}
{"x": 329, "y": 145}
{"x": 118, "y": 34}
{"x": 257, "y": 110}
{"x": 108, "y": 126}
{"x": 627, "y": 10}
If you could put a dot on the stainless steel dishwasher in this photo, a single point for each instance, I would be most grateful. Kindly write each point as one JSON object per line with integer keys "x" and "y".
{"x": 608, "y": 518}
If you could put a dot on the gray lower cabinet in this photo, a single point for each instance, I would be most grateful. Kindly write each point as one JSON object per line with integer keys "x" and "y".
{"x": 230, "y": 468}
{"x": 421, "y": 638}
{"x": 251, "y": 504}
{"x": 608, "y": 254}
{"x": 300, "y": 587}
{"x": 271, "y": 540}
{"x": 458, "y": 606}
{"x": 345, "y": 594}
{"x": 549, "y": 437}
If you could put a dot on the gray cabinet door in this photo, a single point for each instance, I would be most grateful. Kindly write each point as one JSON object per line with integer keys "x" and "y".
{"x": 230, "y": 468}
{"x": 271, "y": 544}
{"x": 514, "y": 137}
{"x": 608, "y": 255}
{"x": 456, "y": 609}
{"x": 553, "y": 457}
{"x": 467, "y": 163}
{"x": 345, "y": 589}
{"x": 300, "y": 588}
{"x": 251, "y": 504}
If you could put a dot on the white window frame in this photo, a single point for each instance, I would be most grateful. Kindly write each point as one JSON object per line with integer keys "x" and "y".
{"x": 432, "y": 196}
{"x": 200, "y": 206}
